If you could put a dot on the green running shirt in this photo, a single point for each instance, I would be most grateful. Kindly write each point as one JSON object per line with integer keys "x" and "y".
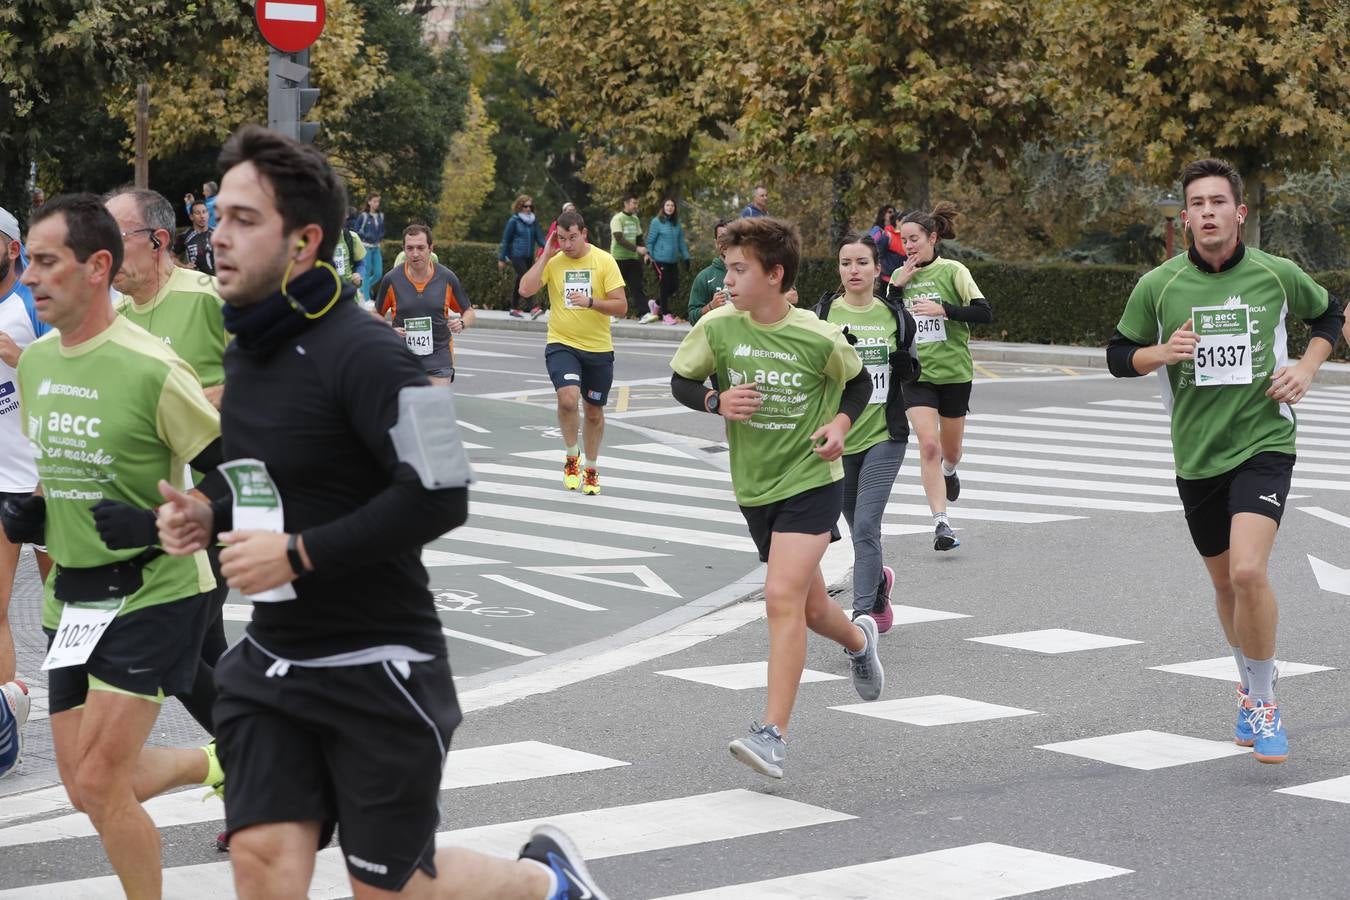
{"x": 874, "y": 327}
{"x": 944, "y": 281}
{"x": 109, "y": 418}
{"x": 800, "y": 365}
{"x": 1217, "y": 428}
{"x": 186, "y": 315}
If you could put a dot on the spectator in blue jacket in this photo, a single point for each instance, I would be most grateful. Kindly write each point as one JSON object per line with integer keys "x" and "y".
{"x": 667, "y": 248}
{"x": 369, "y": 227}
{"x": 520, "y": 237}
{"x": 758, "y": 205}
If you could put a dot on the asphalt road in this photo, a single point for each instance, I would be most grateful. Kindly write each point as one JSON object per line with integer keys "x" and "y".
{"x": 1076, "y": 581}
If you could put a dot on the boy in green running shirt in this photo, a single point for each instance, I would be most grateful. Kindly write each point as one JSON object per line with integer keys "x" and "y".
{"x": 1211, "y": 323}
{"x": 793, "y": 387}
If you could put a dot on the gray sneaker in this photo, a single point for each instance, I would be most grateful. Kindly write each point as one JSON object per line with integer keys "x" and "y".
{"x": 764, "y": 750}
{"x": 868, "y": 676}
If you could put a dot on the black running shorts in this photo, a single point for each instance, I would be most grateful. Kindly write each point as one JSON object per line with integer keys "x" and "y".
{"x": 592, "y": 372}
{"x": 360, "y": 747}
{"x": 146, "y": 652}
{"x": 1260, "y": 485}
{"x": 952, "y": 401}
{"x": 811, "y": 512}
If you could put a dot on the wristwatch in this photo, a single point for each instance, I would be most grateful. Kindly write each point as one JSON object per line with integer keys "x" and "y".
{"x": 712, "y": 402}
{"x": 293, "y": 554}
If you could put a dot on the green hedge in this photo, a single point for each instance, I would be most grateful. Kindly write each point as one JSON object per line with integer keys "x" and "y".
{"x": 1046, "y": 303}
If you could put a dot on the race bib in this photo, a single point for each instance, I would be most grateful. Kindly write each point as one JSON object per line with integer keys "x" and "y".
{"x": 930, "y": 329}
{"x": 257, "y": 507}
{"x": 1224, "y": 352}
{"x": 417, "y": 333}
{"x": 576, "y": 288}
{"x": 875, "y": 358}
{"x": 82, "y": 625}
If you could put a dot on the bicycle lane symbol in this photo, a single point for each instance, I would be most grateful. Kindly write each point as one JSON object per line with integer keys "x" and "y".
{"x": 467, "y": 601}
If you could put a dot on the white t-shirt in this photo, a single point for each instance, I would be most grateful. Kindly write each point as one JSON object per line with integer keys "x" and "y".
{"x": 18, "y": 472}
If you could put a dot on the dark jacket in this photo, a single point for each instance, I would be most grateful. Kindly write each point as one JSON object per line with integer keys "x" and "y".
{"x": 904, "y": 362}
{"x": 519, "y": 239}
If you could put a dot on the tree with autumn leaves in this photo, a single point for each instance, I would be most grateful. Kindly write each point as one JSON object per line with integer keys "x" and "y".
{"x": 885, "y": 101}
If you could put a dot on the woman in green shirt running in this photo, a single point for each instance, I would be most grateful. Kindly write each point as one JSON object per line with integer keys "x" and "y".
{"x": 882, "y": 333}
{"x": 945, "y": 302}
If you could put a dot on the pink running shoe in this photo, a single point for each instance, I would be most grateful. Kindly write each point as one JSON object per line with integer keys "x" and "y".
{"x": 882, "y": 612}
{"x": 669, "y": 319}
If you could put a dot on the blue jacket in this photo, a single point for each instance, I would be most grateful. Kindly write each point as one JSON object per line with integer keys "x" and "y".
{"x": 370, "y": 228}
{"x": 26, "y": 294}
{"x": 519, "y": 238}
{"x": 665, "y": 241}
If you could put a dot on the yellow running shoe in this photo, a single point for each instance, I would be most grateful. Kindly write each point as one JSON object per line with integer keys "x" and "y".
{"x": 215, "y": 775}
{"x": 572, "y": 473}
{"x": 590, "y": 482}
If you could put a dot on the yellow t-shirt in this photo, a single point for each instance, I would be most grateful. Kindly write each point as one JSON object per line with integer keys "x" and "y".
{"x": 571, "y": 283}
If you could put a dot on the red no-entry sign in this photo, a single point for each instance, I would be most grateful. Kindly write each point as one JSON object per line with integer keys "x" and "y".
{"x": 290, "y": 26}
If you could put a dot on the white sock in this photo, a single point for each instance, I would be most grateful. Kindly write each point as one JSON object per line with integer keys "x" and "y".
{"x": 1261, "y": 679}
{"x": 940, "y": 519}
{"x": 552, "y": 877}
{"x": 1241, "y": 666}
{"x": 948, "y": 470}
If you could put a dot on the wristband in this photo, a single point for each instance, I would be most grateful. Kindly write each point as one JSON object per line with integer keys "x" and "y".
{"x": 590, "y": 303}
{"x": 293, "y": 554}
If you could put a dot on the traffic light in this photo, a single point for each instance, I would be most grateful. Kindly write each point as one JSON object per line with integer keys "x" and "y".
{"x": 289, "y": 96}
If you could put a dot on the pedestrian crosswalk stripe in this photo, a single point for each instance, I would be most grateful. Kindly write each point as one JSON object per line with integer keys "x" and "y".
{"x": 647, "y": 581}
{"x": 179, "y": 808}
{"x": 1224, "y": 668}
{"x": 1133, "y": 455}
{"x": 1161, "y": 416}
{"x": 1052, "y": 438}
{"x": 1147, "y": 749}
{"x": 1336, "y": 790}
{"x": 973, "y": 493}
{"x": 975, "y": 872}
{"x": 1054, "y": 640}
{"x": 1110, "y": 487}
{"x": 976, "y": 514}
{"x": 654, "y": 449}
{"x": 626, "y": 504}
{"x": 472, "y": 534}
{"x": 30, "y": 804}
{"x": 557, "y": 519}
{"x": 601, "y": 833}
{"x": 694, "y": 471}
{"x": 1068, "y": 468}
{"x": 1130, "y": 428}
{"x": 741, "y": 676}
{"x": 937, "y": 709}
{"x": 1328, "y": 515}
{"x": 439, "y": 558}
{"x": 612, "y": 482}
{"x": 914, "y": 615}
{"x": 518, "y": 761}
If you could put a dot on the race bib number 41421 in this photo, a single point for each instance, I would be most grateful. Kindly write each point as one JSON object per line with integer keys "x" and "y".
{"x": 1223, "y": 354}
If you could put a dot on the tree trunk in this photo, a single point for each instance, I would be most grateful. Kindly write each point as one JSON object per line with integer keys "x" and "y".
{"x": 915, "y": 182}
{"x": 142, "y": 176}
{"x": 840, "y": 188}
{"x": 1256, "y": 202}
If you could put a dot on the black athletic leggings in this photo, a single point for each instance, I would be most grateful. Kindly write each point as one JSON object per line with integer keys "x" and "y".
{"x": 670, "y": 285}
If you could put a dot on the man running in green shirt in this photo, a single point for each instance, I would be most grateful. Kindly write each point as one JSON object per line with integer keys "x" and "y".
{"x": 791, "y": 388}
{"x": 625, "y": 245}
{"x": 110, "y": 411}
{"x": 1211, "y": 323}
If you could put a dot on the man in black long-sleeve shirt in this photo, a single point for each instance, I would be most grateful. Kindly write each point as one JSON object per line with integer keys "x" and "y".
{"x": 338, "y": 706}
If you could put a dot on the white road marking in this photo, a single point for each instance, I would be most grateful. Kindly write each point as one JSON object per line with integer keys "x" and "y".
{"x": 937, "y": 709}
{"x": 1147, "y": 749}
{"x": 1224, "y": 668}
{"x": 741, "y": 676}
{"x": 474, "y": 535}
{"x": 648, "y": 581}
{"x": 1054, "y": 640}
{"x": 513, "y": 649}
{"x": 543, "y": 594}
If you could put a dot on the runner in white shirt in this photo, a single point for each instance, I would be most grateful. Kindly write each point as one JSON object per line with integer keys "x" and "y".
{"x": 18, "y": 472}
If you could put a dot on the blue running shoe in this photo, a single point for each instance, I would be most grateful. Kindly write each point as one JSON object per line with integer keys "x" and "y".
{"x": 1271, "y": 744}
{"x": 1243, "y": 735}
{"x": 554, "y": 850}
{"x": 14, "y": 705}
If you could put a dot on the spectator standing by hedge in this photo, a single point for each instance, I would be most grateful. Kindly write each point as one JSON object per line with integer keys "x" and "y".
{"x": 370, "y": 228}
{"x": 945, "y": 302}
{"x": 708, "y": 291}
{"x": 521, "y": 236}
{"x": 626, "y": 246}
{"x": 758, "y": 205}
{"x": 667, "y": 248}
{"x": 890, "y": 246}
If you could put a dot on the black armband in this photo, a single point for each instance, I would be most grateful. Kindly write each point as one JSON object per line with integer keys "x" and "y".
{"x": 857, "y": 391}
{"x": 1120, "y": 352}
{"x": 689, "y": 392}
{"x": 979, "y": 312}
{"x": 1329, "y": 324}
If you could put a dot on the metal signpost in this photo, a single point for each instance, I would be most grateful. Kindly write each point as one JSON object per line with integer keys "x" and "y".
{"x": 290, "y": 28}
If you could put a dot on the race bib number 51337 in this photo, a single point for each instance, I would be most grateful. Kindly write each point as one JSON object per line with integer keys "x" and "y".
{"x": 1223, "y": 354}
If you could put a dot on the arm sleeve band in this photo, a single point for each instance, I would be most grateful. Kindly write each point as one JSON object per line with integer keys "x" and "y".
{"x": 1120, "y": 353}
{"x": 979, "y": 312}
{"x": 1329, "y": 324}
{"x": 689, "y": 392}
{"x": 857, "y": 392}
